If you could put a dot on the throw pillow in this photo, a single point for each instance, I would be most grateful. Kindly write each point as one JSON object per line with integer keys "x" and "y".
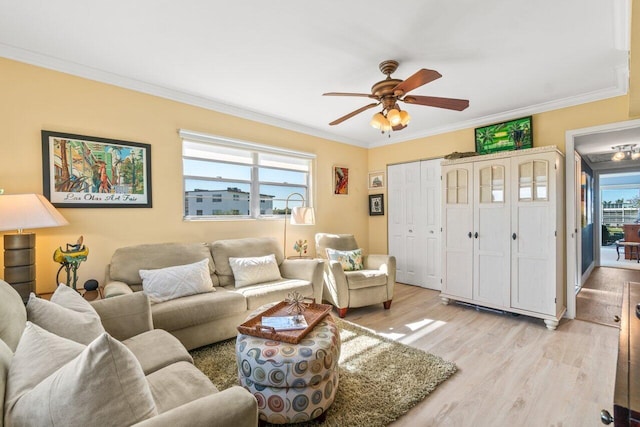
{"x": 103, "y": 384}
{"x": 253, "y": 270}
{"x": 350, "y": 260}
{"x": 164, "y": 284}
{"x": 38, "y": 354}
{"x": 67, "y": 315}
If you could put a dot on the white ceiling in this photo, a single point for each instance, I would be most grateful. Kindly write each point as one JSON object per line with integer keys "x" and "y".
{"x": 271, "y": 61}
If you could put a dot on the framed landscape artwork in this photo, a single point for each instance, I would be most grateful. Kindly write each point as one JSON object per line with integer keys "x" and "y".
{"x": 340, "y": 180}
{"x": 512, "y": 135}
{"x": 89, "y": 172}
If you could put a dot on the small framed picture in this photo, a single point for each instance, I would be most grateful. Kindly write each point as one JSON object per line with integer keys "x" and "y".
{"x": 376, "y": 204}
{"x": 340, "y": 180}
{"x": 376, "y": 180}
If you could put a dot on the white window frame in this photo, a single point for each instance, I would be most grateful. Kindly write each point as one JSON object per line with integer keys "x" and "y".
{"x": 254, "y": 149}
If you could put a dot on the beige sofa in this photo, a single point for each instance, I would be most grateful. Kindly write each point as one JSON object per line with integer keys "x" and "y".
{"x": 170, "y": 390}
{"x": 205, "y": 318}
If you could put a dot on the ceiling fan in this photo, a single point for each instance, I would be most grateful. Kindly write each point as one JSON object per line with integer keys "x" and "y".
{"x": 389, "y": 91}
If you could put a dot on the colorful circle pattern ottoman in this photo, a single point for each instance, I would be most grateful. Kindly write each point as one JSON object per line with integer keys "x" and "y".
{"x": 291, "y": 382}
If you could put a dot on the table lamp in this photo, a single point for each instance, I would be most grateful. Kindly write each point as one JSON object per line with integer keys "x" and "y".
{"x": 300, "y": 215}
{"x": 20, "y": 212}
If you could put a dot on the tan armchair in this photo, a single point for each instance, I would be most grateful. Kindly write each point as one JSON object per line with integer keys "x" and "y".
{"x": 371, "y": 285}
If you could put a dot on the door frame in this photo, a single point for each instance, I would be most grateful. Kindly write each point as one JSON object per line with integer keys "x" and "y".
{"x": 574, "y": 240}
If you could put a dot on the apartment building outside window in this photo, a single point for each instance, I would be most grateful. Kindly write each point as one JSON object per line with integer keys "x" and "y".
{"x": 235, "y": 179}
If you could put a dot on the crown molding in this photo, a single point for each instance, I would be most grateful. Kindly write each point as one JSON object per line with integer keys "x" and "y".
{"x": 79, "y": 70}
{"x": 90, "y": 73}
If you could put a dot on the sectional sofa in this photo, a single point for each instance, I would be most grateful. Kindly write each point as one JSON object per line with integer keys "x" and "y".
{"x": 76, "y": 364}
{"x": 242, "y": 275}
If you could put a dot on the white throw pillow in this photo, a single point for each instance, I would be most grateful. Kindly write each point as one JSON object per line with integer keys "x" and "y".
{"x": 253, "y": 270}
{"x": 39, "y": 354}
{"x": 103, "y": 385}
{"x": 168, "y": 283}
{"x": 67, "y": 315}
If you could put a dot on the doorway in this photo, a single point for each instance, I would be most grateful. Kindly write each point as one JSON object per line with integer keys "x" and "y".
{"x": 589, "y": 143}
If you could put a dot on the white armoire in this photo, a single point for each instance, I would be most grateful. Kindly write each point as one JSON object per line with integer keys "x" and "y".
{"x": 502, "y": 232}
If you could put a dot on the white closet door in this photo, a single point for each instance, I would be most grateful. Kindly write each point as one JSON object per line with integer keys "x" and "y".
{"x": 406, "y": 235}
{"x": 431, "y": 185}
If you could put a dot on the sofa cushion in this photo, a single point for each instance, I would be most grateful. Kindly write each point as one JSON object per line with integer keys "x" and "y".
{"x": 67, "y": 315}
{"x": 156, "y": 349}
{"x": 197, "y": 309}
{"x": 349, "y": 260}
{"x": 258, "y": 295}
{"x": 167, "y": 283}
{"x": 79, "y": 393}
{"x": 366, "y": 278}
{"x": 126, "y": 262}
{"x": 222, "y": 250}
{"x": 39, "y": 354}
{"x": 12, "y": 315}
{"x": 177, "y": 384}
{"x": 252, "y": 270}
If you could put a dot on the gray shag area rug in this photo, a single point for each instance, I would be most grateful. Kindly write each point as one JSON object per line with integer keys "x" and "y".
{"x": 380, "y": 380}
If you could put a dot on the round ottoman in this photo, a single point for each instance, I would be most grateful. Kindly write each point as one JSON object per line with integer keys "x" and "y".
{"x": 291, "y": 382}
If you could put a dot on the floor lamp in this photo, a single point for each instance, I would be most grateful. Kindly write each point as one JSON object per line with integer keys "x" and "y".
{"x": 19, "y": 212}
{"x": 300, "y": 215}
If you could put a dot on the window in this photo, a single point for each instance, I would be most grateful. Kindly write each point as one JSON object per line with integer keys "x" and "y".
{"x": 239, "y": 179}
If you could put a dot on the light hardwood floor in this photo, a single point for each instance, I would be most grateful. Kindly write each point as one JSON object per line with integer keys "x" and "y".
{"x": 512, "y": 371}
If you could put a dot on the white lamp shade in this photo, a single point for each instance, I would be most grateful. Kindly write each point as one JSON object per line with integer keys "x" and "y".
{"x": 28, "y": 211}
{"x": 302, "y": 216}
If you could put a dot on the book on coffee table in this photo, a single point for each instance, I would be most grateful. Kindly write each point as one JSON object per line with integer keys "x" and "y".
{"x": 285, "y": 323}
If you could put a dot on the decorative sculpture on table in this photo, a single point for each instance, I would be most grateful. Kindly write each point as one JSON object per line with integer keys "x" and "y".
{"x": 301, "y": 247}
{"x": 296, "y": 303}
{"x": 70, "y": 260}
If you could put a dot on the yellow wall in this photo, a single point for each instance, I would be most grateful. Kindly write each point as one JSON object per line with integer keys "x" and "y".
{"x": 35, "y": 99}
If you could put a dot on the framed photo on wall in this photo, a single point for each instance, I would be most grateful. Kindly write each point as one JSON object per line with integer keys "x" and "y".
{"x": 340, "y": 180}
{"x": 376, "y": 204}
{"x": 89, "y": 172}
{"x": 376, "y": 180}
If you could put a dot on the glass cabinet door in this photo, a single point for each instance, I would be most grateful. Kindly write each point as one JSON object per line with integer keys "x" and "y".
{"x": 533, "y": 180}
{"x": 457, "y": 186}
{"x": 492, "y": 184}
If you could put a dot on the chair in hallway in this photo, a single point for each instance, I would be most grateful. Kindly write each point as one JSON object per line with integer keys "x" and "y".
{"x": 352, "y": 279}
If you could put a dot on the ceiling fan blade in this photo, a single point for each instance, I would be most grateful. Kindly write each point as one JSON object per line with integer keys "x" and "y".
{"x": 434, "y": 101}
{"x": 366, "y": 95}
{"x": 421, "y": 77}
{"x": 353, "y": 113}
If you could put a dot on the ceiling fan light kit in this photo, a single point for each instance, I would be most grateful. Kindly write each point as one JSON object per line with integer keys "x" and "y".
{"x": 389, "y": 91}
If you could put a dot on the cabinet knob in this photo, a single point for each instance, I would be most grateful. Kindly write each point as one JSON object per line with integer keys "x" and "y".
{"x": 513, "y": 236}
{"x": 470, "y": 235}
{"x": 476, "y": 235}
{"x": 616, "y": 319}
{"x": 606, "y": 417}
